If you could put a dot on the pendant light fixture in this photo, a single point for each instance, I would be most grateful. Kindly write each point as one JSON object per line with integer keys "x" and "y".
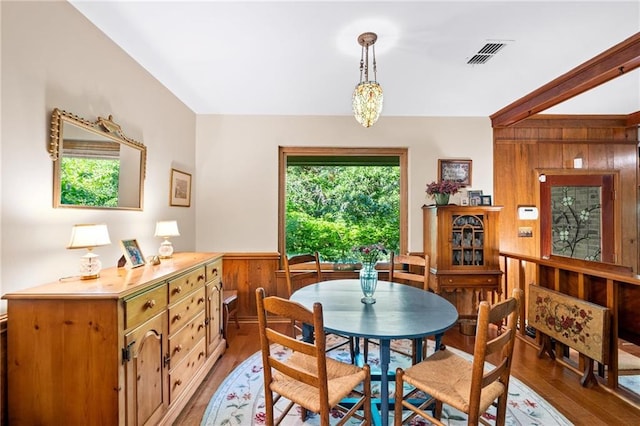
{"x": 367, "y": 96}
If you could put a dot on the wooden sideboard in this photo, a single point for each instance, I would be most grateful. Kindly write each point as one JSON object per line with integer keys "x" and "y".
{"x": 130, "y": 347}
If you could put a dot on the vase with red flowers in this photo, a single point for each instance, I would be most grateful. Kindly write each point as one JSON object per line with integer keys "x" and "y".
{"x": 441, "y": 191}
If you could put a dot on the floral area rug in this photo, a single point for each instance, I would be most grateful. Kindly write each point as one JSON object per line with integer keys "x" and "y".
{"x": 239, "y": 401}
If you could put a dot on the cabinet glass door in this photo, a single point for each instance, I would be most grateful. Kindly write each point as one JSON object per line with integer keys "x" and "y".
{"x": 467, "y": 240}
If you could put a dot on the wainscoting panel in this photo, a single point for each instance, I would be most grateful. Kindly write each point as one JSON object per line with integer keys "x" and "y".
{"x": 246, "y": 272}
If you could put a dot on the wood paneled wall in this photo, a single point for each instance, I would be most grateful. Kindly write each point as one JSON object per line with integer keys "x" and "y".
{"x": 246, "y": 272}
{"x": 548, "y": 142}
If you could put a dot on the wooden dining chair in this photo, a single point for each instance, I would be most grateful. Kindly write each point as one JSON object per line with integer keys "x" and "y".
{"x": 302, "y": 270}
{"x": 469, "y": 386}
{"x": 410, "y": 270}
{"x": 308, "y": 377}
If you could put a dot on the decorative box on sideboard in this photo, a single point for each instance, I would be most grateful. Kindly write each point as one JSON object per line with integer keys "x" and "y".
{"x": 130, "y": 347}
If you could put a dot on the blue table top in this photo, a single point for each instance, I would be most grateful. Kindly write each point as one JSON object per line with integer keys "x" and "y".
{"x": 400, "y": 311}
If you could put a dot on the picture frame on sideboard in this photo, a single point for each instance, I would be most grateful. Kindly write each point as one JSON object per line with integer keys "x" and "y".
{"x": 132, "y": 253}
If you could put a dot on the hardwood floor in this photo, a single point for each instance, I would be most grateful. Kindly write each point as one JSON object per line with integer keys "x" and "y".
{"x": 558, "y": 385}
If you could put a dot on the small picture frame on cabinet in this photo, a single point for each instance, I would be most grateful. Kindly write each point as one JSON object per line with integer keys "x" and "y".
{"x": 474, "y": 197}
{"x": 485, "y": 200}
{"x": 132, "y": 253}
{"x": 464, "y": 201}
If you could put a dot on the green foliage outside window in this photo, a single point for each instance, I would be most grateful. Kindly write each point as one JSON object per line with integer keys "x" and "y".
{"x": 89, "y": 181}
{"x": 331, "y": 209}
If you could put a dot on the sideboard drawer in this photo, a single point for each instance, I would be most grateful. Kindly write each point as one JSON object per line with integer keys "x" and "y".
{"x": 185, "y": 284}
{"x": 469, "y": 280}
{"x": 140, "y": 308}
{"x": 180, "y": 376}
{"x": 184, "y": 341}
{"x": 214, "y": 270}
{"x": 183, "y": 311}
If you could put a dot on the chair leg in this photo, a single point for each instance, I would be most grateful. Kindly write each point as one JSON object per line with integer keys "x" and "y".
{"x": 437, "y": 410}
{"x": 365, "y": 351}
{"x": 235, "y": 316}
{"x": 397, "y": 421}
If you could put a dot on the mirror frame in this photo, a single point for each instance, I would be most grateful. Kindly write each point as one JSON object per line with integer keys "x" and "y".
{"x": 102, "y": 126}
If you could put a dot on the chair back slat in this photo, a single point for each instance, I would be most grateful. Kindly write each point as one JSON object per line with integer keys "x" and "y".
{"x": 308, "y": 271}
{"x": 401, "y": 267}
{"x": 288, "y": 342}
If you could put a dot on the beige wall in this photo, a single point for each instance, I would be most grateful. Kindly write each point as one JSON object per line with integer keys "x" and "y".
{"x": 237, "y": 167}
{"x": 53, "y": 57}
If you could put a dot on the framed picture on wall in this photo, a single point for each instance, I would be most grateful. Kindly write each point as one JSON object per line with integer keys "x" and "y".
{"x": 180, "y": 194}
{"x": 455, "y": 170}
{"x": 132, "y": 253}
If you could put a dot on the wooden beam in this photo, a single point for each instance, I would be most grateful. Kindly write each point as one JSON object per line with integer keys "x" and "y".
{"x": 633, "y": 119}
{"x": 613, "y": 62}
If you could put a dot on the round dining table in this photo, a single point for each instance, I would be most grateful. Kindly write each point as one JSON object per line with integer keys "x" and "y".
{"x": 400, "y": 312}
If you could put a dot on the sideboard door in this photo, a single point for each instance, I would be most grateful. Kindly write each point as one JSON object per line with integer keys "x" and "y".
{"x": 146, "y": 372}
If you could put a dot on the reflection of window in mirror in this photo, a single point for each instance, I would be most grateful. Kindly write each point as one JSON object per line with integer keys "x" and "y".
{"x": 95, "y": 165}
{"x": 89, "y": 173}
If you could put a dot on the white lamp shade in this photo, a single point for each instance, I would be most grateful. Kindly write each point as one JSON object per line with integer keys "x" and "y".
{"x": 89, "y": 236}
{"x": 167, "y": 228}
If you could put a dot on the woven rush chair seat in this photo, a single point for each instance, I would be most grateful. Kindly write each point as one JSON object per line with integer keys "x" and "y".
{"x": 469, "y": 386}
{"x": 308, "y": 377}
{"x": 449, "y": 380}
{"x": 342, "y": 379}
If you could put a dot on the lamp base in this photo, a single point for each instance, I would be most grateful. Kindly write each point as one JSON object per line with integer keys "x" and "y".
{"x": 89, "y": 277}
{"x": 90, "y": 266}
{"x": 166, "y": 249}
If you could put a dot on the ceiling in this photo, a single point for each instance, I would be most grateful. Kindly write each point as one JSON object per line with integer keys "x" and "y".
{"x": 302, "y": 57}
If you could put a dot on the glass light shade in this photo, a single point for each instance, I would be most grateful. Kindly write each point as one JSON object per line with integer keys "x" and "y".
{"x": 89, "y": 236}
{"x": 367, "y": 102}
{"x": 166, "y": 229}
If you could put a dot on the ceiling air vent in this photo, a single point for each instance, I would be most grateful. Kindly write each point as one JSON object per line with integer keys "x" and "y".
{"x": 485, "y": 53}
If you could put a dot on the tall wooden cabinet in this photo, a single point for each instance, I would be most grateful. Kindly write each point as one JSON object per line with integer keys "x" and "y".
{"x": 129, "y": 348}
{"x": 463, "y": 246}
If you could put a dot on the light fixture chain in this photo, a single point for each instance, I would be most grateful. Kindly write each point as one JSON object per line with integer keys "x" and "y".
{"x": 375, "y": 74}
{"x": 366, "y": 63}
{"x": 361, "y": 63}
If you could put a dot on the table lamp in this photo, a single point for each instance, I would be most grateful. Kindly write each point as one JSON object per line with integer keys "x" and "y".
{"x": 89, "y": 236}
{"x": 166, "y": 229}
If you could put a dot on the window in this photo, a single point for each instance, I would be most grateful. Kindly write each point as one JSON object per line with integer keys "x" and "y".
{"x": 312, "y": 214}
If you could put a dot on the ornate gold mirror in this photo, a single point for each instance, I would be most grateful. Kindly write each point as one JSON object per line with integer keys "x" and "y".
{"x": 94, "y": 164}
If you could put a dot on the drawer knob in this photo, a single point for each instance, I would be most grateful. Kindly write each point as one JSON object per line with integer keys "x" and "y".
{"x": 201, "y": 326}
{"x": 150, "y": 303}
{"x": 201, "y": 300}
{"x": 178, "y": 382}
{"x": 178, "y": 289}
{"x": 178, "y": 348}
{"x": 177, "y": 317}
